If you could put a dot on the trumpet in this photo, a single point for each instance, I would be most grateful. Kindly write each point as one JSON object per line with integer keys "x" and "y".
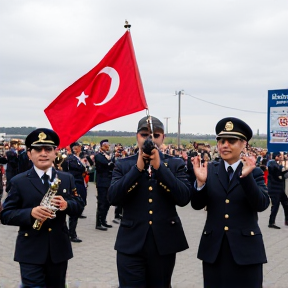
{"x": 46, "y": 202}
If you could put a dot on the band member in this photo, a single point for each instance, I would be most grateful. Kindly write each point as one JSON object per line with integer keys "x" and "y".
{"x": 42, "y": 254}
{"x": 3, "y": 161}
{"x": 104, "y": 165}
{"x": 73, "y": 165}
{"x": 12, "y": 162}
{"x": 233, "y": 191}
{"x": 149, "y": 185}
{"x": 119, "y": 153}
{"x": 276, "y": 188}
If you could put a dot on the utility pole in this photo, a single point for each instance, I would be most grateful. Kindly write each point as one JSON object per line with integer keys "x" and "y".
{"x": 167, "y": 124}
{"x": 179, "y": 115}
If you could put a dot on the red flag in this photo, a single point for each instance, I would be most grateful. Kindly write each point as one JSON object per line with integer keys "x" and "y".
{"x": 112, "y": 89}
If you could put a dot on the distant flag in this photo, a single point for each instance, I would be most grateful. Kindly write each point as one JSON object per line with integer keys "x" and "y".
{"x": 112, "y": 89}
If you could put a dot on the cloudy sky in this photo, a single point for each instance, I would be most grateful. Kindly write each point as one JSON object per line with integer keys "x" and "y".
{"x": 224, "y": 54}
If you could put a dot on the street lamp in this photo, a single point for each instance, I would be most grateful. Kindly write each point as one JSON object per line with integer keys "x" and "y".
{"x": 179, "y": 114}
{"x": 167, "y": 124}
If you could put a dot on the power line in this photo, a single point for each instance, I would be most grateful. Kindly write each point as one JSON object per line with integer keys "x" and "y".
{"x": 226, "y": 106}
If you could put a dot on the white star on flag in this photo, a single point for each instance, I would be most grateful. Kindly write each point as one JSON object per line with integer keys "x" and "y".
{"x": 81, "y": 99}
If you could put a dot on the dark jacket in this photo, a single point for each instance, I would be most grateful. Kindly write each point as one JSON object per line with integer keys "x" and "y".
{"x": 34, "y": 246}
{"x": 24, "y": 163}
{"x": 3, "y": 160}
{"x": 75, "y": 167}
{"x": 232, "y": 210}
{"x": 12, "y": 164}
{"x": 276, "y": 180}
{"x": 150, "y": 203}
{"x": 104, "y": 169}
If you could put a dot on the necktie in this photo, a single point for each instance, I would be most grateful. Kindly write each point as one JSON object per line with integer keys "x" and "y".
{"x": 45, "y": 179}
{"x": 230, "y": 172}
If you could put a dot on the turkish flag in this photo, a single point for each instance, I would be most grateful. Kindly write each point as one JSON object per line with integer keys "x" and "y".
{"x": 110, "y": 90}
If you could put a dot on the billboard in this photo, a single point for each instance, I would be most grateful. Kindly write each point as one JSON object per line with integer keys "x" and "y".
{"x": 277, "y": 122}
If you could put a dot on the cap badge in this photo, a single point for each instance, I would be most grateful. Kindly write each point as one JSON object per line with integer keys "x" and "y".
{"x": 229, "y": 126}
{"x": 41, "y": 139}
{"x": 42, "y": 136}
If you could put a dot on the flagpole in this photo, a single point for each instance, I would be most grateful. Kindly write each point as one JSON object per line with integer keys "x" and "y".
{"x": 128, "y": 26}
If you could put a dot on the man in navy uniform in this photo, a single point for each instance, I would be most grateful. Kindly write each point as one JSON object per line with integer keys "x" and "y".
{"x": 73, "y": 165}
{"x": 233, "y": 191}
{"x": 149, "y": 185}
{"x": 42, "y": 254}
{"x": 3, "y": 160}
{"x": 104, "y": 165}
{"x": 12, "y": 162}
{"x": 276, "y": 188}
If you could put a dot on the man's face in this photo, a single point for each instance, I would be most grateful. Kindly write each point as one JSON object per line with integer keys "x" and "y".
{"x": 230, "y": 149}
{"x": 105, "y": 147}
{"x": 15, "y": 146}
{"x": 42, "y": 156}
{"x": 157, "y": 137}
{"x": 68, "y": 149}
{"x": 279, "y": 157}
{"x": 76, "y": 149}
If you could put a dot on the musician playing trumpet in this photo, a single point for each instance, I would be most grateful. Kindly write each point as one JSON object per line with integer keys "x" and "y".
{"x": 43, "y": 246}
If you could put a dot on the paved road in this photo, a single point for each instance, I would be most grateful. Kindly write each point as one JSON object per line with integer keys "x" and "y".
{"x": 93, "y": 265}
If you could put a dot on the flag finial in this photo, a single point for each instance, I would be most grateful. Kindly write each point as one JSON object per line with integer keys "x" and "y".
{"x": 127, "y": 25}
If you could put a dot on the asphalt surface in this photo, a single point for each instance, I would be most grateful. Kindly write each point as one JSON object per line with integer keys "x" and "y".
{"x": 94, "y": 262}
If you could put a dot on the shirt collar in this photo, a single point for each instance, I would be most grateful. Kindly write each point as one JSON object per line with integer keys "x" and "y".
{"x": 41, "y": 172}
{"x": 234, "y": 165}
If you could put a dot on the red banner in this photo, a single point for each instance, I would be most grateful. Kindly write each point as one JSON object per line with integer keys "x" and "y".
{"x": 110, "y": 90}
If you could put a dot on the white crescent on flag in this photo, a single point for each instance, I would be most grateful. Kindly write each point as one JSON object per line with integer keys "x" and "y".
{"x": 115, "y": 82}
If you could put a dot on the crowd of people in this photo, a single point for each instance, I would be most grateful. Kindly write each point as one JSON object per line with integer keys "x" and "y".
{"x": 231, "y": 181}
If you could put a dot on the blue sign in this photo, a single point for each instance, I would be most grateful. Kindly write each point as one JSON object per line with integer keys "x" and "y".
{"x": 277, "y": 122}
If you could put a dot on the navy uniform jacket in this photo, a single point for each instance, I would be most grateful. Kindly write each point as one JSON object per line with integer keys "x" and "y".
{"x": 150, "y": 203}
{"x": 12, "y": 164}
{"x": 104, "y": 169}
{"x": 276, "y": 180}
{"x": 75, "y": 167}
{"x": 232, "y": 210}
{"x": 33, "y": 246}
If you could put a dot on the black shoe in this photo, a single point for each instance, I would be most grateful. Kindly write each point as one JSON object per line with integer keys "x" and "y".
{"x": 75, "y": 240}
{"x": 82, "y": 217}
{"x": 107, "y": 225}
{"x": 273, "y": 226}
{"x": 101, "y": 227}
{"x": 116, "y": 220}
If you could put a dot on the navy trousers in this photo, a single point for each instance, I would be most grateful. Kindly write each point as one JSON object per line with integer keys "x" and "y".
{"x": 48, "y": 275}
{"x": 147, "y": 269}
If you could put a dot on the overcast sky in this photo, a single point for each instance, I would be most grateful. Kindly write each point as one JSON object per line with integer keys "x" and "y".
{"x": 226, "y": 52}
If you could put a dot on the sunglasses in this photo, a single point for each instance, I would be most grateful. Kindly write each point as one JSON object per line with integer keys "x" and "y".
{"x": 40, "y": 148}
{"x": 145, "y": 135}
{"x": 229, "y": 140}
